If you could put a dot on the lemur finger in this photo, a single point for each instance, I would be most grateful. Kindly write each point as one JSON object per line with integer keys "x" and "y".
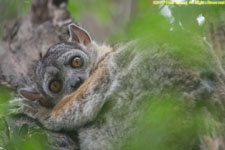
{"x": 23, "y": 109}
{"x": 13, "y": 112}
{"x": 14, "y": 104}
{"x": 19, "y": 109}
{"x": 20, "y": 101}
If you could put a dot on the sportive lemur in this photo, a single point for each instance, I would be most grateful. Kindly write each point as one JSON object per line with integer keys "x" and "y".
{"x": 118, "y": 83}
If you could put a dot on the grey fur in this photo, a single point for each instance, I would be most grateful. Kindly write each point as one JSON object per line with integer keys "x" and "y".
{"x": 105, "y": 108}
{"x": 106, "y": 116}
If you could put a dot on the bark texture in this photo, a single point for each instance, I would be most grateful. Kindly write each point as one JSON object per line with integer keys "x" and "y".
{"x": 25, "y": 40}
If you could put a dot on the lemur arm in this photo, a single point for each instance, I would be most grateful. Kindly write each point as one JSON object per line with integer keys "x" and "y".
{"x": 75, "y": 110}
{"x": 82, "y": 106}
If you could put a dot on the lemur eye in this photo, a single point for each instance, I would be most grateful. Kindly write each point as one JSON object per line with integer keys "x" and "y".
{"x": 55, "y": 86}
{"x": 76, "y": 62}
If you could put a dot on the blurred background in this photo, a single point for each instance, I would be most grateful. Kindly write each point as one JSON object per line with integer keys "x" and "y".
{"x": 185, "y": 27}
{"x": 101, "y": 18}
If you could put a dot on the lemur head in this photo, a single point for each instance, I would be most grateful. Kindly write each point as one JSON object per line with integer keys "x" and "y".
{"x": 63, "y": 68}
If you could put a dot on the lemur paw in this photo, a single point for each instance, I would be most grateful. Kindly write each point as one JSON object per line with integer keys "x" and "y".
{"x": 32, "y": 109}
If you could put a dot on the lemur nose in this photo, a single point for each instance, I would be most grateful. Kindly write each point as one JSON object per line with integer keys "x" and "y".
{"x": 76, "y": 82}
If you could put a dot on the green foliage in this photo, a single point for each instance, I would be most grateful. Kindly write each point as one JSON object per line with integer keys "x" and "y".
{"x": 4, "y": 98}
{"x": 4, "y": 94}
{"x": 24, "y": 140}
{"x": 151, "y": 26}
{"x": 169, "y": 123}
{"x": 100, "y": 9}
{"x": 20, "y": 138}
{"x": 76, "y": 8}
{"x": 13, "y": 137}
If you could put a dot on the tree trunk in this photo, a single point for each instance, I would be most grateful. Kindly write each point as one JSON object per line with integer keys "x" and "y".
{"x": 25, "y": 40}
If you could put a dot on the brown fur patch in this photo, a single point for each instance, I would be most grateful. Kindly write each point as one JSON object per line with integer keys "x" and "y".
{"x": 82, "y": 92}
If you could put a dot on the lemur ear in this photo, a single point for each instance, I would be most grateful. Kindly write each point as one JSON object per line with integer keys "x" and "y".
{"x": 79, "y": 35}
{"x": 31, "y": 94}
